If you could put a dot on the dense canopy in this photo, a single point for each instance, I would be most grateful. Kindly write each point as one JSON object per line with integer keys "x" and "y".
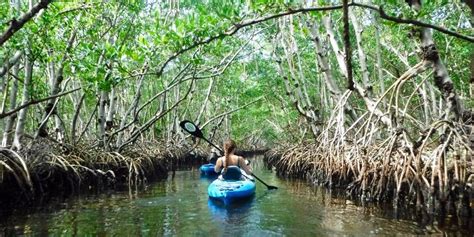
{"x": 260, "y": 71}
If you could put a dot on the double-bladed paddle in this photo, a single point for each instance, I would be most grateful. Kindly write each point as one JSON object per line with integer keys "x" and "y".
{"x": 194, "y": 130}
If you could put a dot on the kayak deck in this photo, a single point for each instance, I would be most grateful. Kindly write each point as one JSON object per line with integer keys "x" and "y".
{"x": 229, "y": 191}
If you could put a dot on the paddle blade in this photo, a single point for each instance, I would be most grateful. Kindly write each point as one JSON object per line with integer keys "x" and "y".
{"x": 271, "y": 187}
{"x": 191, "y": 128}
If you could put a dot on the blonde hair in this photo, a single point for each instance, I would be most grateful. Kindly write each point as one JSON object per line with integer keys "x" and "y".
{"x": 229, "y": 147}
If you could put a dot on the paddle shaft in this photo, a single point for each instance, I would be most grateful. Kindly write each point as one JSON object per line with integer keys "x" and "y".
{"x": 197, "y": 133}
{"x": 218, "y": 148}
{"x": 268, "y": 186}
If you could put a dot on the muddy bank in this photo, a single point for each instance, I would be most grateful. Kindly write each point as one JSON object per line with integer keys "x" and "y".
{"x": 45, "y": 168}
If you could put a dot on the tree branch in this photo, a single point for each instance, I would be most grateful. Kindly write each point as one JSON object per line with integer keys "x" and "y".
{"x": 10, "y": 62}
{"x": 153, "y": 120}
{"x": 237, "y": 26}
{"x": 32, "y": 102}
{"x": 16, "y": 25}
{"x": 413, "y": 22}
{"x": 232, "y": 111}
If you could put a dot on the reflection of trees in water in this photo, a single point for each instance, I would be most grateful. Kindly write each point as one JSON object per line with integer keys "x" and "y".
{"x": 167, "y": 208}
{"x": 116, "y": 214}
{"x": 256, "y": 162}
{"x": 336, "y": 214}
{"x": 341, "y": 215}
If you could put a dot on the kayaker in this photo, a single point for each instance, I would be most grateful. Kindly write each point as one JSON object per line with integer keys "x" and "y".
{"x": 213, "y": 156}
{"x": 231, "y": 160}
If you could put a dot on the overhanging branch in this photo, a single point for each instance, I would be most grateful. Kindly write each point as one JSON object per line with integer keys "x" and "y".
{"x": 32, "y": 102}
{"x": 16, "y": 25}
{"x": 237, "y": 26}
{"x": 384, "y": 15}
{"x": 231, "y": 111}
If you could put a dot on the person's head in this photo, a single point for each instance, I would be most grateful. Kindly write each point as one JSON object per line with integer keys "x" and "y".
{"x": 229, "y": 148}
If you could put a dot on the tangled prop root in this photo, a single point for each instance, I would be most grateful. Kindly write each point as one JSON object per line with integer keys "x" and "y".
{"x": 435, "y": 174}
{"x": 45, "y": 168}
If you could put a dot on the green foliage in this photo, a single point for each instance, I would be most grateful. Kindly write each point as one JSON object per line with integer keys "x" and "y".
{"x": 121, "y": 38}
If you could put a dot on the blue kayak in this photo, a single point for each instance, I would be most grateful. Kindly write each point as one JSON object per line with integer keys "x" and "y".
{"x": 207, "y": 169}
{"x": 232, "y": 190}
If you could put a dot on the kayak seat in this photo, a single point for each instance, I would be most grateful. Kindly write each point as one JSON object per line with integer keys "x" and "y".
{"x": 232, "y": 173}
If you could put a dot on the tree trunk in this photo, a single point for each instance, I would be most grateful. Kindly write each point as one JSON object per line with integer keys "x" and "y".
{"x": 322, "y": 62}
{"x": 441, "y": 77}
{"x": 25, "y": 97}
{"x": 470, "y": 3}
{"x": 8, "y": 130}
{"x": 133, "y": 107}
{"x": 362, "y": 58}
{"x": 370, "y": 104}
{"x": 378, "y": 53}
{"x": 55, "y": 80}
{"x": 75, "y": 119}
{"x": 296, "y": 76}
{"x": 204, "y": 104}
{"x": 109, "y": 121}
{"x": 8, "y": 63}
{"x": 101, "y": 114}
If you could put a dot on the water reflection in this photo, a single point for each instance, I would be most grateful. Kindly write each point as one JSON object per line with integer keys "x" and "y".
{"x": 180, "y": 207}
{"x": 232, "y": 218}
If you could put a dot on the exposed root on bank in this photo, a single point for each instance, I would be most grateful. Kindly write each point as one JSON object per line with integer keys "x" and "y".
{"x": 433, "y": 173}
{"x": 47, "y": 167}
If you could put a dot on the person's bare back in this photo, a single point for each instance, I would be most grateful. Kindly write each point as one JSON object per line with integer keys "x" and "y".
{"x": 231, "y": 159}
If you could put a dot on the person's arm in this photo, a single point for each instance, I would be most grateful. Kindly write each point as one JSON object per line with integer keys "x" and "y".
{"x": 244, "y": 166}
{"x": 218, "y": 166}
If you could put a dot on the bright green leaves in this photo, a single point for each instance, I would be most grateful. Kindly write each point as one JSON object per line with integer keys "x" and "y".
{"x": 115, "y": 39}
{"x": 110, "y": 50}
{"x": 229, "y": 10}
{"x": 105, "y": 85}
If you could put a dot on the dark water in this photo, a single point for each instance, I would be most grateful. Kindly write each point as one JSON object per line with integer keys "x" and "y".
{"x": 180, "y": 207}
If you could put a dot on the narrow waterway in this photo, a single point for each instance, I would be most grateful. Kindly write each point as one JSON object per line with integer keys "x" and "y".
{"x": 180, "y": 206}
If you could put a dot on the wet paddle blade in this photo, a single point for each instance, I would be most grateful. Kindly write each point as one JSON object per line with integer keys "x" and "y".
{"x": 194, "y": 130}
{"x": 191, "y": 128}
{"x": 271, "y": 187}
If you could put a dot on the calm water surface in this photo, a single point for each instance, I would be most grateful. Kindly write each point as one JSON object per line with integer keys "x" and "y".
{"x": 180, "y": 206}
